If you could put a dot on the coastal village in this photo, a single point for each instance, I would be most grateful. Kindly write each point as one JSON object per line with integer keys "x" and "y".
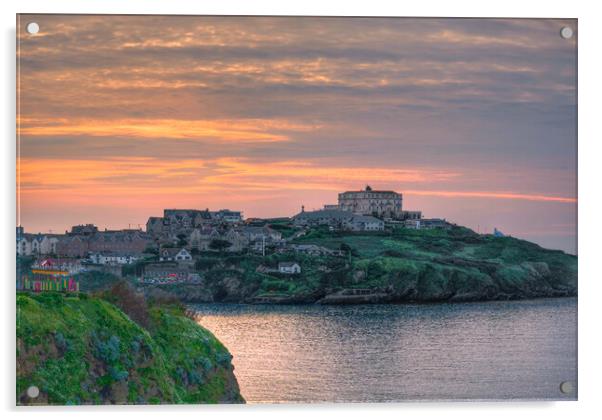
{"x": 171, "y": 243}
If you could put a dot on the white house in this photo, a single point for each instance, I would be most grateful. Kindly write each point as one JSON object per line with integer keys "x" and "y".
{"x": 365, "y": 223}
{"x": 289, "y": 268}
{"x": 174, "y": 254}
{"x": 23, "y": 246}
{"x": 113, "y": 258}
{"x": 412, "y": 224}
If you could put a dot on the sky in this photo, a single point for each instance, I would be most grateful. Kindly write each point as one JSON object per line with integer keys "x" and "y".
{"x": 472, "y": 120}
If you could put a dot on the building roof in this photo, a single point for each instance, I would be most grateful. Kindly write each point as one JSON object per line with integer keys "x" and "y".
{"x": 320, "y": 214}
{"x": 287, "y": 264}
{"x": 172, "y": 252}
{"x": 125, "y": 235}
{"x": 117, "y": 254}
{"x": 53, "y": 262}
{"x": 258, "y": 230}
{"x": 366, "y": 219}
{"x": 306, "y": 246}
{"x": 372, "y": 191}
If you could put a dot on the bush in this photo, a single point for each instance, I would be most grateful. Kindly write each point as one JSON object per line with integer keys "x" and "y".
{"x": 151, "y": 250}
{"x": 107, "y": 351}
{"x": 62, "y": 344}
{"x": 219, "y": 245}
{"x": 206, "y": 263}
{"x": 118, "y": 375}
{"x": 91, "y": 281}
{"x": 223, "y": 359}
{"x": 123, "y": 295}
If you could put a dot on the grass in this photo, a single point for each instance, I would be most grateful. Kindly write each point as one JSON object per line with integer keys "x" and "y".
{"x": 83, "y": 350}
{"x": 434, "y": 264}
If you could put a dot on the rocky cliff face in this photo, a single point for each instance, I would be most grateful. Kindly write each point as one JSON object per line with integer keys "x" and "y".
{"x": 84, "y": 350}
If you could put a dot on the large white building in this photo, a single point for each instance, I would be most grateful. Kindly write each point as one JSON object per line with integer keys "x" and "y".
{"x": 383, "y": 204}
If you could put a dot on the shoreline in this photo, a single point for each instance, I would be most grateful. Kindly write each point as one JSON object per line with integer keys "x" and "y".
{"x": 395, "y": 303}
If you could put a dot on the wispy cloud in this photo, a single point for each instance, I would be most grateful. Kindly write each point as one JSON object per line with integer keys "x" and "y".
{"x": 225, "y": 130}
{"x": 194, "y": 109}
{"x": 493, "y": 194}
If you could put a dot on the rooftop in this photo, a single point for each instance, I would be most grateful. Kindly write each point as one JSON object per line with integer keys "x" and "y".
{"x": 319, "y": 214}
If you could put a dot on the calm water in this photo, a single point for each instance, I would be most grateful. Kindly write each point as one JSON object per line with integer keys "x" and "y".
{"x": 494, "y": 350}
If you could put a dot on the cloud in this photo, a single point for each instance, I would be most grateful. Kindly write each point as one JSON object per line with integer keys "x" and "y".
{"x": 223, "y": 130}
{"x": 493, "y": 194}
{"x": 462, "y": 108}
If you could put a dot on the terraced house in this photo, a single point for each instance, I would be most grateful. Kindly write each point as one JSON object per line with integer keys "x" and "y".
{"x": 338, "y": 220}
{"x": 36, "y": 244}
{"x": 177, "y": 221}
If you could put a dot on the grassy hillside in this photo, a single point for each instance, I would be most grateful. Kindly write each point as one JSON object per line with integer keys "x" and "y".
{"x": 84, "y": 350}
{"x": 400, "y": 265}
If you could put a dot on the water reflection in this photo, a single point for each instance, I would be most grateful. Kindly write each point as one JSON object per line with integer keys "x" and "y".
{"x": 493, "y": 350}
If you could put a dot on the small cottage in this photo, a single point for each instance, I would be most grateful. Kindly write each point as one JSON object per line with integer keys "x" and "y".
{"x": 289, "y": 268}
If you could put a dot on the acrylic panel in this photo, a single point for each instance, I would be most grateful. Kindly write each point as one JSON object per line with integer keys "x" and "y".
{"x": 223, "y": 209}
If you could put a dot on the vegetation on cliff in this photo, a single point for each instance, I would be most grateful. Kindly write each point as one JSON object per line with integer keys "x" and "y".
{"x": 79, "y": 349}
{"x": 400, "y": 265}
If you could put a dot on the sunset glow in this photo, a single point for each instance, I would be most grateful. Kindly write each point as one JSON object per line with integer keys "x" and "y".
{"x": 472, "y": 120}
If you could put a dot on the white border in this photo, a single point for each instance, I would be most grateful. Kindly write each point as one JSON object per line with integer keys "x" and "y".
{"x": 590, "y": 211}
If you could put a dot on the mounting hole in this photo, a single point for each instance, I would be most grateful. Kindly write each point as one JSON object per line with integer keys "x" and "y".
{"x": 566, "y": 32}
{"x": 32, "y": 28}
{"x": 566, "y": 387}
{"x": 33, "y": 391}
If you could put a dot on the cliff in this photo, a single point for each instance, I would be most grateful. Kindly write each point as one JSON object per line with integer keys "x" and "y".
{"x": 84, "y": 350}
{"x": 402, "y": 265}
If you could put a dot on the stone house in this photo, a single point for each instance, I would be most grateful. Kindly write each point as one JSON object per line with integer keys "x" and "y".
{"x": 126, "y": 241}
{"x": 227, "y": 216}
{"x": 83, "y": 230}
{"x": 364, "y": 224}
{"x": 383, "y": 204}
{"x": 332, "y": 218}
{"x": 238, "y": 240}
{"x": 201, "y": 237}
{"x": 154, "y": 226}
{"x": 338, "y": 220}
{"x": 72, "y": 246}
{"x": 260, "y": 233}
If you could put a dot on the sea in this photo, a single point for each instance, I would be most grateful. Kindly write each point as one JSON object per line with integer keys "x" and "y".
{"x": 510, "y": 350}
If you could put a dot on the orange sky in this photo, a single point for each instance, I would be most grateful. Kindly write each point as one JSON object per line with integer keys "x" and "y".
{"x": 473, "y": 120}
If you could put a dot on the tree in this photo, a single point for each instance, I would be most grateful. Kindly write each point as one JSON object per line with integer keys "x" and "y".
{"x": 124, "y": 296}
{"x": 219, "y": 245}
{"x": 182, "y": 239}
{"x": 151, "y": 250}
{"x": 349, "y": 251}
{"x": 345, "y": 247}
